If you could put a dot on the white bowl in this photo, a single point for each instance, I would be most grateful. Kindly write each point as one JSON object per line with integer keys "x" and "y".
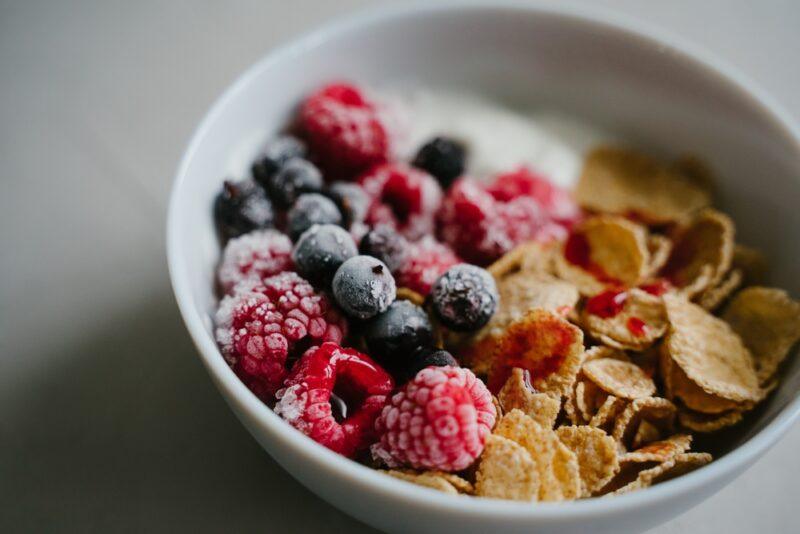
{"x": 635, "y": 81}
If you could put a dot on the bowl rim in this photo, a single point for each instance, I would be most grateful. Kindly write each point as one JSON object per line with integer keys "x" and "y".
{"x": 365, "y": 477}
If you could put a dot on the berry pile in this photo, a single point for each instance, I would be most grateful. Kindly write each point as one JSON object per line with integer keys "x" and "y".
{"x": 320, "y": 240}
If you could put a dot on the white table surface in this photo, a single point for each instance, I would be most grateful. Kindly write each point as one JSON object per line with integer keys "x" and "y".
{"x": 107, "y": 420}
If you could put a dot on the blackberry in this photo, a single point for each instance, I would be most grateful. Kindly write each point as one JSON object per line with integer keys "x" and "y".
{"x": 425, "y": 357}
{"x": 443, "y": 158}
{"x": 386, "y": 244}
{"x": 311, "y": 209}
{"x": 295, "y": 177}
{"x": 275, "y": 155}
{"x": 242, "y": 207}
{"x": 352, "y": 200}
{"x": 363, "y": 287}
{"x": 321, "y": 250}
{"x": 465, "y": 297}
{"x": 394, "y": 335}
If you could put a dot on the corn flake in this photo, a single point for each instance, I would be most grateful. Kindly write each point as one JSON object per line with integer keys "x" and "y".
{"x": 547, "y": 345}
{"x": 659, "y": 451}
{"x": 623, "y": 181}
{"x": 596, "y": 452}
{"x": 507, "y": 471}
{"x": 711, "y": 354}
{"x": 557, "y": 466}
{"x": 615, "y": 253}
{"x": 655, "y": 410}
{"x": 713, "y": 297}
{"x": 768, "y": 321}
{"x": 518, "y": 394}
{"x": 702, "y": 253}
{"x": 705, "y": 423}
{"x": 640, "y": 323}
{"x": 619, "y": 378}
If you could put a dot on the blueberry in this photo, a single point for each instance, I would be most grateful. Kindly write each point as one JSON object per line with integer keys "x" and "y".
{"x": 321, "y": 250}
{"x": 311, "y": 209}
{"x": 465, "y": 297}
{"x": 295, "y": 177}
{"x": 425, "y": 357}
{"x": 363, "y": 287}
{"x": 393, "y": 336}
{"x": 275, "y": 155}
{"x": 352, "y": 200}
{"x": 443, "y": 158}
{"x": 242, "y": 207}
{"x": 386, "y": 244}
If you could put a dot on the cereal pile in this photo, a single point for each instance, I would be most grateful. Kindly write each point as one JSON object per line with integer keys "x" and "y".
{"x": 505, "y": 338}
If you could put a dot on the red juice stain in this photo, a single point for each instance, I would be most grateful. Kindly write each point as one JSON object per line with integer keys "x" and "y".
{"x": 539, "y": 351}
{"x": 607, "y": 304}
{"x": 637, "y": 327}
{"x": 578, "y": 251}
{"x": 680, "y": 258}
{"x": 657, "y": 288}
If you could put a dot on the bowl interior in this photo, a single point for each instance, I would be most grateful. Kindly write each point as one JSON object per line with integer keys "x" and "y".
{"x": 648, "y": 93}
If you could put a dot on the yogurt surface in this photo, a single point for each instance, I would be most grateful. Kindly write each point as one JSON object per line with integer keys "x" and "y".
{"x": 498, "y": 138}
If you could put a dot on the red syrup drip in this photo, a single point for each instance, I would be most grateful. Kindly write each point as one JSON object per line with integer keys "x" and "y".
{"x": 578, "y": 251}
{"x": 637, "y": 327}
{"x": 657, "y": 288}
{"x": 607, "y": 304}
{"x": 554, "y": 337}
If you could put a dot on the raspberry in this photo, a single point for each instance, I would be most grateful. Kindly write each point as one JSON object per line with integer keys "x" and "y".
{"x": 427, "y": 259}
{"x": 439, "y": 420}
{"x": 556, "y": 202}
{"x": 262, "y": 322}
{"x": 483, "y": 223}
{"x": 255, "y": 255}
{"x": 403, "y": 197}
{"x": 344, "y": 130}
{"x": 353, "y": 378}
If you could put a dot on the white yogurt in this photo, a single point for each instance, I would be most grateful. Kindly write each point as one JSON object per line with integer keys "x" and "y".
{"x": 498, "y": 138}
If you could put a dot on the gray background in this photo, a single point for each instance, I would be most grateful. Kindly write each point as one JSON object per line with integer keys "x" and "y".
{"x": 107, "y": 420}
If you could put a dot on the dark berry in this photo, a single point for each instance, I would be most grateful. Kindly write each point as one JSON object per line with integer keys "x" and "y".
{"x": 352, "y": 200}
{"x": 242, "y": 207}
{"x": 386, "y": 244}
{"x": 465, "y": 297}
{"x": 275, "y": 155}
{"x": 422, "y": 358}
{"x": 394, "y": 335}
{"x": 311, "y": 209}
{"x": 363, "y": 287}
{"x": 295, "y": 177}
{"x": 321, "y": 250}
{"x": 443, "y": 158}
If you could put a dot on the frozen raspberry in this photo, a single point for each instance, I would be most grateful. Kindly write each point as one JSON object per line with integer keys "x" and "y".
{"x": 255, "y": 255}
{"x": 344, "y": 130}
{"x": 439, "y": 420}
{"x": 483, "y": 223}
{"x": 556, "y": 202}
{"x": 403, "y": 197}
{"x": 427, "y": 259}
{"x": 357, "y": 385}
{"x": 262, "y": 322}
